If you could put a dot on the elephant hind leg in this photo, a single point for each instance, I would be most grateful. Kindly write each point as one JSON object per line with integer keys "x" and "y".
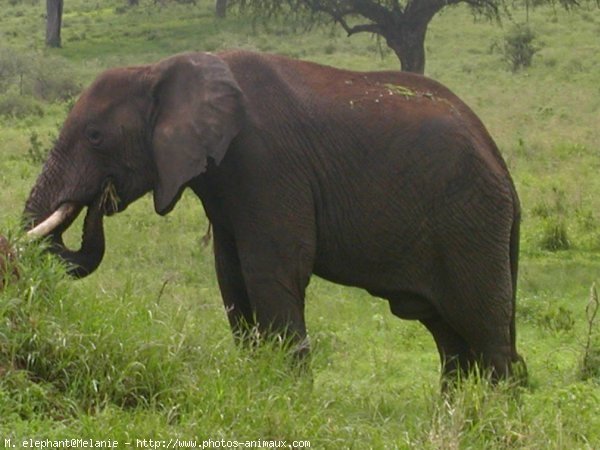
{"x": 503, "y": 362}
{"x": 459, "y": 357}
{"x": 456, "y": 356}
{"x": 486, "y": 326}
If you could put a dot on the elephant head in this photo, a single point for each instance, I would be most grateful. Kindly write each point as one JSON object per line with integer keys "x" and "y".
{"x": 134, "y": 130}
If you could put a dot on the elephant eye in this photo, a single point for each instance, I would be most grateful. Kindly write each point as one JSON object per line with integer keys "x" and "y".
{"x": 94, "y": 136}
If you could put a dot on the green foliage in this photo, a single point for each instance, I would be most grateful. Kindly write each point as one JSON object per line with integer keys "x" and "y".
{"x": 52, "y": 343}
{"x": 476, "y": 412}
{"x": 519, "y": 48}
{"x": 28, "y": 79}
{"x": 53, "y": 81}
{"x": 558, "y": 319}
{"x": 590, "y": 363}
{"x": 37, "y": 152}
{"x": 15, "y": 67}
{"x": 554, "y": 235}
{"x": 15, "y": 105}
{"x": 549, "y": 316}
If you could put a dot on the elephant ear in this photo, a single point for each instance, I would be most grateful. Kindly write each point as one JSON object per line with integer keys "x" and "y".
{"x": 198, "y": 111}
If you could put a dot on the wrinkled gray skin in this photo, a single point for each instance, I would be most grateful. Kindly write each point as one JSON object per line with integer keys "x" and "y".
{"x": 384, "y": 181}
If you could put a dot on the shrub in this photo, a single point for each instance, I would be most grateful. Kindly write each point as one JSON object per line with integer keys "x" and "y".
{"x": 15, "y": 69}
{"x": 518, "y": 48}
{"x": 590, "y": 366}
{"x": 53, "y": 80}
{"x": 547, "y": 314}
{"x": 33, "y": 74}
{"x": 554, "y": 236}
{"x": 37, "y": 152}
{"x": 554, "y": 210}
{"x": 15, "y": 105}
{"x": 590, "y": 363}
{"x": 56, "y": 346}
{"x": 557, "y": 319}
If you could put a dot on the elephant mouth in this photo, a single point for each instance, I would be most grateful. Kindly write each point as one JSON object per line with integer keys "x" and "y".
{"x": 107, "y": 202}
{"x": 84, "y": 261}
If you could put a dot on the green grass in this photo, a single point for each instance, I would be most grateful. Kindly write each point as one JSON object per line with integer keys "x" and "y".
{"x": 141, "y": 349}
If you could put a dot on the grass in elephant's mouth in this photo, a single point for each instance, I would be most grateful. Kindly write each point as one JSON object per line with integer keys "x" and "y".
{"x": 109, "y": 200}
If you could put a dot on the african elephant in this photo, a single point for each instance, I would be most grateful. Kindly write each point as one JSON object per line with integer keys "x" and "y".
{"x": 380, "y": 180}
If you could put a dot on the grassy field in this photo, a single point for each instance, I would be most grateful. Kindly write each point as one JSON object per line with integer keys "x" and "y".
{"x": 141, "y": 349}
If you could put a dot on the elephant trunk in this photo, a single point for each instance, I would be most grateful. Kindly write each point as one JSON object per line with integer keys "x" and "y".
{"x": 84, "y": 261}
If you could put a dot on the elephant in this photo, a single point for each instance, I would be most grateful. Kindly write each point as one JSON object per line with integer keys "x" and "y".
{"x": 384, "y": 181}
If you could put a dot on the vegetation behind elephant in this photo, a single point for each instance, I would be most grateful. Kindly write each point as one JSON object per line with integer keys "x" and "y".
{"x": 8, "y": 264}
{"x": 381, "y": 180}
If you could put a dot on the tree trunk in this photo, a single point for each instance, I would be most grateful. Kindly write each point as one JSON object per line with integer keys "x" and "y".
{"x": 221, "y": 8}
{"x": 54, "y": 10}
{"x": 408, "y": 43}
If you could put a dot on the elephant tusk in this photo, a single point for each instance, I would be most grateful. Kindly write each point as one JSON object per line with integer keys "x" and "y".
{"x": 53, "y": 221}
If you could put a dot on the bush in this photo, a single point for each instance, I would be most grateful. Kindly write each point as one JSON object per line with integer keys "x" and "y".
{"x": 557, "y": 319}
{"x": 553, "y": 209}
{"x": 590, "y": 363}
{"x": 590, "y": 366}
{"x": 32, "y": 74}
{"x": 15, "y": 105}
{"x": 554, "y": 236}
{"x": 56, "y": 346}
{"x": 15, "y": 69}
{"x": 53, "y": 80}
{"x": 37, "y": 152}
{"x": 518, "y": 48}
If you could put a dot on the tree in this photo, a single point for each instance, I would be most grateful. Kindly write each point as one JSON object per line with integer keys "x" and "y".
{"x": 54, "y": 10}
{"x": 221, "y": 8}
{"x": 403, "y": 25}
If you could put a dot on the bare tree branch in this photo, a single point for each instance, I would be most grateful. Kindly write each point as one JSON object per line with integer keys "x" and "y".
{"x": 367, "y": 28}
{"x": 373, "y": 11}
{"x": 339, "y": 15}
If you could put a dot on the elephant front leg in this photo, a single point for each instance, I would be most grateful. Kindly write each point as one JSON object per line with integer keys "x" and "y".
{"x": 279, "y": 314}
{"x": 233, "y": 287}
{"x": 276, "y": 282}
